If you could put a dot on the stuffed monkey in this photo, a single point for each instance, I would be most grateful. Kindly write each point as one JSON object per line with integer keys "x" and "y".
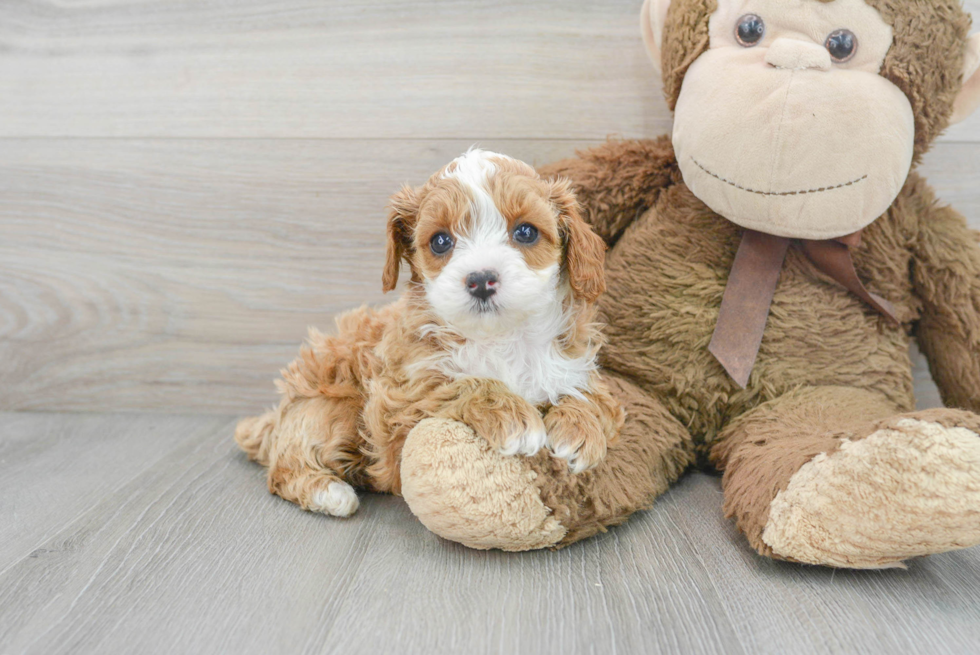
{"x": 769, "y": 266}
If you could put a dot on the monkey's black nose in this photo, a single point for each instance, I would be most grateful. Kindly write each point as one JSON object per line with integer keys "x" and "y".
{"x": 482, "y": 285}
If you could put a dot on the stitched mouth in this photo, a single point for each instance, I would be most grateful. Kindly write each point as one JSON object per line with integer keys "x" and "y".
{"x": 779, "y": 193}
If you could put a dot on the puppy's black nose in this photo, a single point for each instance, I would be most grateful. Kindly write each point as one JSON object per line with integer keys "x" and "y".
{"x": 482, "y": 285}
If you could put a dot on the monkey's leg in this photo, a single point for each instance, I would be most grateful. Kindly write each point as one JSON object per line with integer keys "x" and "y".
{"x": 839, "y": 477}
{"x": 465, "y": 491}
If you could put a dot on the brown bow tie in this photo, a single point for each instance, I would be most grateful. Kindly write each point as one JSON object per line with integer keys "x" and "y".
{"x": 752, "y": 285}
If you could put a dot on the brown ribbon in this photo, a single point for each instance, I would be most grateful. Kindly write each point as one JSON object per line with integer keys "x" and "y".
{"x": 752, "y": 286}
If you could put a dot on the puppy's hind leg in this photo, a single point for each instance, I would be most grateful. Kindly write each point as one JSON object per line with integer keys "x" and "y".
{"x": 253, "y": 435}
{"x": 316, "y": 491}
{"x": 315, "y": 446}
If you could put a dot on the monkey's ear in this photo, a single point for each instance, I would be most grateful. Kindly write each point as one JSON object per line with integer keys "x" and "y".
{"x": 653, "y": 16}
{"x": 969, "y": 97}
{"x": 585, "y": 251}
{"x": 402, "y": 217}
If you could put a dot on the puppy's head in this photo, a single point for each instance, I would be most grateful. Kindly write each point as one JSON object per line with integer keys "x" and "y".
{"x": 493, "y": 244}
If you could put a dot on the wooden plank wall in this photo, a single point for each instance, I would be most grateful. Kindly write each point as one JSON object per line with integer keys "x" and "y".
{"x": 186, "y": 186}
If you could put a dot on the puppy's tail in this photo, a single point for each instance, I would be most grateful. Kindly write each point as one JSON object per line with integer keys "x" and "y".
{"x": 254, "y": 435}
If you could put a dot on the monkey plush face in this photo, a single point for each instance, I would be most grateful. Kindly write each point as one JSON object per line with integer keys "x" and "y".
{"x": 785, "y": 121}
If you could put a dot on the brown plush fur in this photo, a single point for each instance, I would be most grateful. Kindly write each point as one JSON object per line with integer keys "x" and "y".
{"x": 652, "y": 451}
{"x": 830, "y": 369}
{"x": 667, "y": 272}
{"x": 685, "y": 39}
{"x": 762, "y": 449}
{"x": 349, "y": 400}
{"x": 832, "y": 381}
{"x": 926, "y": 62}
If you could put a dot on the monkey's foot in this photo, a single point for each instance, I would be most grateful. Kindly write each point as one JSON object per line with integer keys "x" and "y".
{"x": 909, "y": 490}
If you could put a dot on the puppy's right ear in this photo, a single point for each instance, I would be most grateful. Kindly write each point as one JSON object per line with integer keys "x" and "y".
{"x": 403, "y": 214}
{"x": 653, "y": 16}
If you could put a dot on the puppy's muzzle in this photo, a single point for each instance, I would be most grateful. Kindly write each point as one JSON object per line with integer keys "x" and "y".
{"x": 483, "y": 284}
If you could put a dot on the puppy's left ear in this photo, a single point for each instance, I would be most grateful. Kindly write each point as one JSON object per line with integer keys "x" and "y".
{"x": 403, "y": 214}
{"x": 585, "y": 251}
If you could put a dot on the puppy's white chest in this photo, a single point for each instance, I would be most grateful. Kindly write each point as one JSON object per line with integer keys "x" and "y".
{"x": 535, "y": 371}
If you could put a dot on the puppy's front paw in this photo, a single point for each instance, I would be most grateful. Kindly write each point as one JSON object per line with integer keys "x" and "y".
{"x": 507, "y": 421}
{"x": 528, "y": 442}
{"x": 577, "y": 437}
{"x": 515, "y": 428}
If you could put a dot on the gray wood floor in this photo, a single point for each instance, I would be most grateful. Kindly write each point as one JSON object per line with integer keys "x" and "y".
{"x": 185, "y": 186}
{"x": 152, "y": 534}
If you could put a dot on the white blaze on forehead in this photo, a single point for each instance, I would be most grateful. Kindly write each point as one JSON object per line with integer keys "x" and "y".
{"x": 473, "y": 168}
{"x": 473, "y": 171}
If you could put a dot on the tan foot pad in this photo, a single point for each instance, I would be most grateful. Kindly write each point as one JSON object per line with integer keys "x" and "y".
{"x": 464, "y": 491}
{"x": 905, "y": 492}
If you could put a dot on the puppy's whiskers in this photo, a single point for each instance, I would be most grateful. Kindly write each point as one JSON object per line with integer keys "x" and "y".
{"x": 485, "y": 306}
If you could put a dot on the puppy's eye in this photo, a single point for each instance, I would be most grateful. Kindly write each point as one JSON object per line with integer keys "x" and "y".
{"x": 441, "y": 243}
{"x": 526, "y": 234}
{"x": 750, "y": 30}
{"x": 842, "y": 45}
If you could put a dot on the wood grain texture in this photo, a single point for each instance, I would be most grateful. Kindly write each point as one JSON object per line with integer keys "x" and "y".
{"x": 930, "y": 608}
{"x": 54, "y": 467}
{"x": 184, "y": 188}
{"x": 349, "y": 69}
{"x": 181, "y": 275}
{"x": 472, "y": 69}
{"x": 196, "y": 556}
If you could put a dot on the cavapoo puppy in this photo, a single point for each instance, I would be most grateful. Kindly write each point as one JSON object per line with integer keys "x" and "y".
{"x": 496, "y": 330}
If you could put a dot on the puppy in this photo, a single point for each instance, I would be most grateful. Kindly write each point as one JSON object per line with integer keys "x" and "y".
{"x": 496, "y": 330}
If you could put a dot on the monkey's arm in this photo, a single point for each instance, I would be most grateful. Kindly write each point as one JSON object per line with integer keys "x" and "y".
{"x": 618, "y": 179}
{"x": 946, "y": 274}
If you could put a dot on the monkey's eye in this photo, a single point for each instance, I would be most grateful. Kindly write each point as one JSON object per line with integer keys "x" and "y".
{"x": 526, "y": 234}
{"x": 842, "y": 44}
{"x": 441, "y": 243}
{"x": 750, "y": 30}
